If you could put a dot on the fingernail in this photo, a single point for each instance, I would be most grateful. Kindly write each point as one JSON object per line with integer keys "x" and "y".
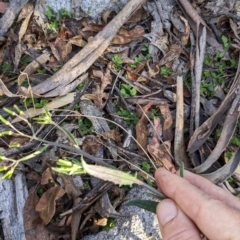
{"x": 166, "y": 211}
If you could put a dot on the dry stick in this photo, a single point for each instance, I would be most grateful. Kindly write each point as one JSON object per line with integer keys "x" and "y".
{"x": 200, "y": 51}
{"x": 192, "y": 62}
{"x": 179, "y": 146}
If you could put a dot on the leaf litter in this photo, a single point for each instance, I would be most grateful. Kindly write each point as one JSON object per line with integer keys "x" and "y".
{"x": 156, "y": 85}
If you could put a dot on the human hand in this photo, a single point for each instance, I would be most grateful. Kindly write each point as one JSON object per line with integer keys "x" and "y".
{"x": 196, "y": 204}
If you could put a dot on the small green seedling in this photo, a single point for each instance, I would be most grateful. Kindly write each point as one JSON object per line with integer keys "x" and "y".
{"x": 165, "y": 71}
{"x": 146, "y": 166}
{"x": 127, "y": 90}
{"x": 55, "y": 18}
{"x": 137, "y": 61}
{"x": 80, "y": 86}
{"x": 110, "y": 224}
{"x": 85, "y": 126}
{"x": 6, "y": 68}
{"x": 131, "y": 118}
{"x": 225, "y": 42}
{"x": 117, "y": 62}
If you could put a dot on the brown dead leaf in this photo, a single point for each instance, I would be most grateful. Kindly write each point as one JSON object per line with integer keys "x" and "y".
{"x": 47, "y": 177}
{"x": 18, "y": 140}
{"x": 74, "y": 192}
{"x": 168, "y": 122}
{"x": 98, "y": 95}
{"x": 63, "y": 48}
{"x": 185, "y": 37}
{"x": 77, "y": 41}
{"x": 34, "y": 229}
{"x": 123, "y": 36}
{"x": 173, "y": 54}
{"x": 19, "y": 48}
{"x": 160, "y": 152}
{"x": 137, "y": 16}
{"x": 113, "y": 134}
{"x": 102, "y": 222}
{"x": 133, "y": 73}
{"x": 90, "y": 145}
{"x": 105, "y": 16}
{"x": 142, "y": 129}
{"x": 47, "y": 203}
{"x": 26, "y": 10}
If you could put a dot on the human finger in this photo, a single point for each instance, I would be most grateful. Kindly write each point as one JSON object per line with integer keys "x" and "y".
{"x": 212, "y": 190}
{"x": 213, "y": 217}
{"x": 174, "y": 223}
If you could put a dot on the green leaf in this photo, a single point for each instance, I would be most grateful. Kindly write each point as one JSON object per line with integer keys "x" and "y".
{"x": 146, "y": 166}
{"x": 144, "y": 204}
{"x": 108, "y": 174}
{"x": 182, "y": 170}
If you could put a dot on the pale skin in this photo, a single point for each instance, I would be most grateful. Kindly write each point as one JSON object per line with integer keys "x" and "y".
{"x": 194, "y": 205}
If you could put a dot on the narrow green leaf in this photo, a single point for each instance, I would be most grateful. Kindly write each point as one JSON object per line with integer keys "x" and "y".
{"x": 8, "y": 174}
{"x": 18, "y": 109}
{"x": 108, "y": 174}
{"x": 182, "y": 170}
{"x": 6, "y": 133}
{"x": 4, "y": 121}
{"x": 7, "y": 110}
{"x": 144, "y": 204}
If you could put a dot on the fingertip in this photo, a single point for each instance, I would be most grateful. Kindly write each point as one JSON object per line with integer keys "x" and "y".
{"x": 174, "y": 223}
{"x": 166, "y": 211}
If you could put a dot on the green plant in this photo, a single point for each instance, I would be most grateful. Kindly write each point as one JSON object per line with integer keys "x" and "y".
{"x": 146, "y": 166}
{"x": 154, "y": 113}
{"x": 210, "y": 79}
{"x": 225, "y": 42}
{"x": 165, "y": 71}
{"x": 35, "y": 102}
{"x": 117, "y": 62}
{"x": 85, "y": 126}
{"x": 110, "y": 224}
{"x": 127, "y": 90}
{"x": 130, "y": 118}
{"x": 137, "y": 60}
{"x": 42, "y": 71}
{"x": 206, "y": 89}
{"x": 55, "y": 18}
{"x": 26, "y": 59}
{"x": 6, "y": 68}
{"x": 89, "y": 10}
{"x": 80, "y": 86}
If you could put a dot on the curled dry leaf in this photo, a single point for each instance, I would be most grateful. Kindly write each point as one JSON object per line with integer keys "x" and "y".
{"x": 123, "y": 36}
{"x": 19, "y": 47}
{"x": 34, "y": 229}
{"x": 47, "y": 177}
{"x": 185, "y": 37}
{"x": 160, "y": 152}
{"x": 168, "y": 122}
{"x": 142, "y": 129}
{"x": 91, "y": 145}
{"x": 113, "y": 134}
{"x": 98, "y": 95}
{"x": 133, "y": 74}
{"x": 173, "y": 54}
{"x": 47, "y": 203}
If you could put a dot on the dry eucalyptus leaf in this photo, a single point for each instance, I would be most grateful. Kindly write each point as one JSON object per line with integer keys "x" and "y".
{"x": 47, "y": 203}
